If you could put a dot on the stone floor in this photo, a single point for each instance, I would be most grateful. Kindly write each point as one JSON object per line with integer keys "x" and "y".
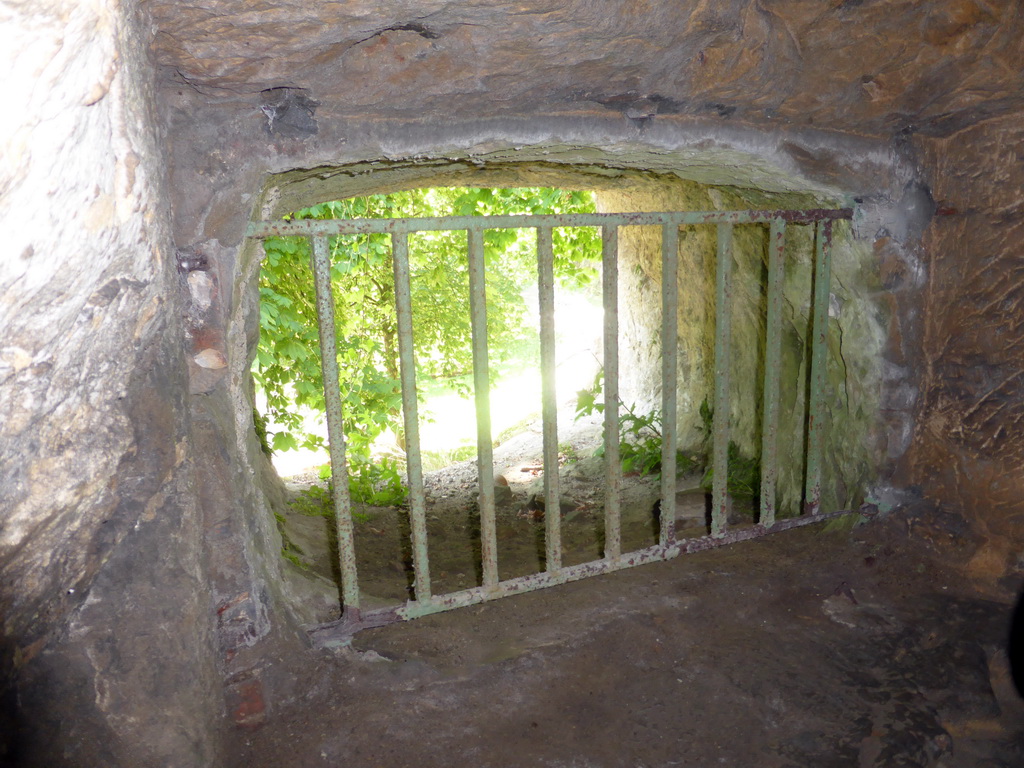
{"x": 816, "y": 647}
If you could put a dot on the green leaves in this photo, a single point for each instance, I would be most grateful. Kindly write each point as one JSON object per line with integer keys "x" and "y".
{"x": 290, "y": 349}
{"x": 743, "y": 473}
{"x": 587, "y": 401}
{"x": 285, "y": 441}
{"x": 640, "y": 439}
{"x": 287, "y": 367}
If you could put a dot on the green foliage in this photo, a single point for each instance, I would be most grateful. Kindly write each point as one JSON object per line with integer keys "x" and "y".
{"x": 640, "y": 438}
{"x": 259, "y": 422}
{"x": 290, "y": 551}
{"x": 314, "y": 501}
{"x": 587, "y": 400}
{"x": 442, "y": 458}
{"x": 287, "y": 364}
{"x": 567, "y": 453}
{"x": 376, "y": 482}
{"x": 743, "y": 476}
{"x": 318, "y": 501}
{"x": 641, "y": 443}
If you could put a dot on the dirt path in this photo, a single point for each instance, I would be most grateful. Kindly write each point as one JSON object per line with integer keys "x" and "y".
{"x": 809, "y": 648}
{"x": 815, "y": 647}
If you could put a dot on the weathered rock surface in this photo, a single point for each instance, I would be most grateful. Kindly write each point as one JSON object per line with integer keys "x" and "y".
{"x": 968, "y": 449}
{"x": 866, "y": 67}
{"x": 135, "y": 591}
{"x": 105, "y": 612}
{"x": 830, "y": 101}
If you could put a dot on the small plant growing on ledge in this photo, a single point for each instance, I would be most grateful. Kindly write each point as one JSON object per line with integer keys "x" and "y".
{"x": 318, "y": 501}
{"x": 640, "y": 438}
{"x": 376, "y": 483}
{"x": 259, "y": 422}
{"x": 290, "y": 551}
{"x": 567, "y": 453}
{"x": 640, "y": 443}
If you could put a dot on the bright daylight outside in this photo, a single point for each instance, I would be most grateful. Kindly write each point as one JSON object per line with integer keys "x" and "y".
{"x": 290, "y": 401}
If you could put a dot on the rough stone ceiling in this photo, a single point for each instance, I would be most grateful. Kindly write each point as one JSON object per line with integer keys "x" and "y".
{"x": 874, "y": 67}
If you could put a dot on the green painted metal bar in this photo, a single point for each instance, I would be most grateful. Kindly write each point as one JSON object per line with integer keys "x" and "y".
{"x": 482, "y": 395}
{"x": 819, "y": 345}
{"x": 414, "y": 463}
{"x": 549, "y": 401}
{"x": 723, "y": 336}
{"x": 307, "y": 227}
{"x": 772, "y": 371}
{"x": 612, "y": 464}
{"x": 335, "y": 429}
{"x": 669, "y": 378}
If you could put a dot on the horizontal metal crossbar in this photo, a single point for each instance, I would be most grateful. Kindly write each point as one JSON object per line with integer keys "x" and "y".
{"x": 668, "y": 547}
{"x": 309, "y": 227}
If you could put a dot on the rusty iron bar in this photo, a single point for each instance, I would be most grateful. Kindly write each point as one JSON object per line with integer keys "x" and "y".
{"x": 482, "y": 395}
{"x": 410, "y": 415}
{"x": 339, "y": 632}
{"x": 307, "y": 227}
{"x": 549, "y": 400}
{"x": 723, "y": 335}
{"x": 335, "y": 426}
{"x": 669, "y": 379}
{"x": 772, "y": 371}
{"x": 819, "y": 345}
{"x": 612, "y": 464}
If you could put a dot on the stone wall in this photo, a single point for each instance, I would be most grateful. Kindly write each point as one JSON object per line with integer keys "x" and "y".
{"x": 967, "y": 452}
{"x": 268, "y": 112}
{"x": 103, "y": 595}
{"x": 857, "y": 332}
{"x": 868, "y": 68}
{"x": 139, "y": 577}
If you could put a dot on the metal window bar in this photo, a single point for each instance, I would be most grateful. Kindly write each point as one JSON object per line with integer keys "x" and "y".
{"x": 668, "y": 547}
{"x": 549, "y": 399}
{"x": 410, "y": 413}
{"x": 669, "y": 379}
{"x": 612, "y": 464}
{"x": 720, "y": 501}
{"x": 772, "y": 371}
{"x": 819, "y": 342}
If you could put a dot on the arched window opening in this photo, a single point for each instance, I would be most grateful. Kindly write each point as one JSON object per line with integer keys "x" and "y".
{"x": 719, "y": 304}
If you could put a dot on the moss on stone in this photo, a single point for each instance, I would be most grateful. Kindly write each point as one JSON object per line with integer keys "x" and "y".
{"x": 854, "y": 342}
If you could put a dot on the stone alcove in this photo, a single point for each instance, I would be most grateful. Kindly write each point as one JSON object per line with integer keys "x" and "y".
{"x": 633, "y": 173}
{"x": 143, "y": 617}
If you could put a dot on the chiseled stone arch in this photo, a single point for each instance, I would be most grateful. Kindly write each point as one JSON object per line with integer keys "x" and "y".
{"x": 630, "y": 166}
